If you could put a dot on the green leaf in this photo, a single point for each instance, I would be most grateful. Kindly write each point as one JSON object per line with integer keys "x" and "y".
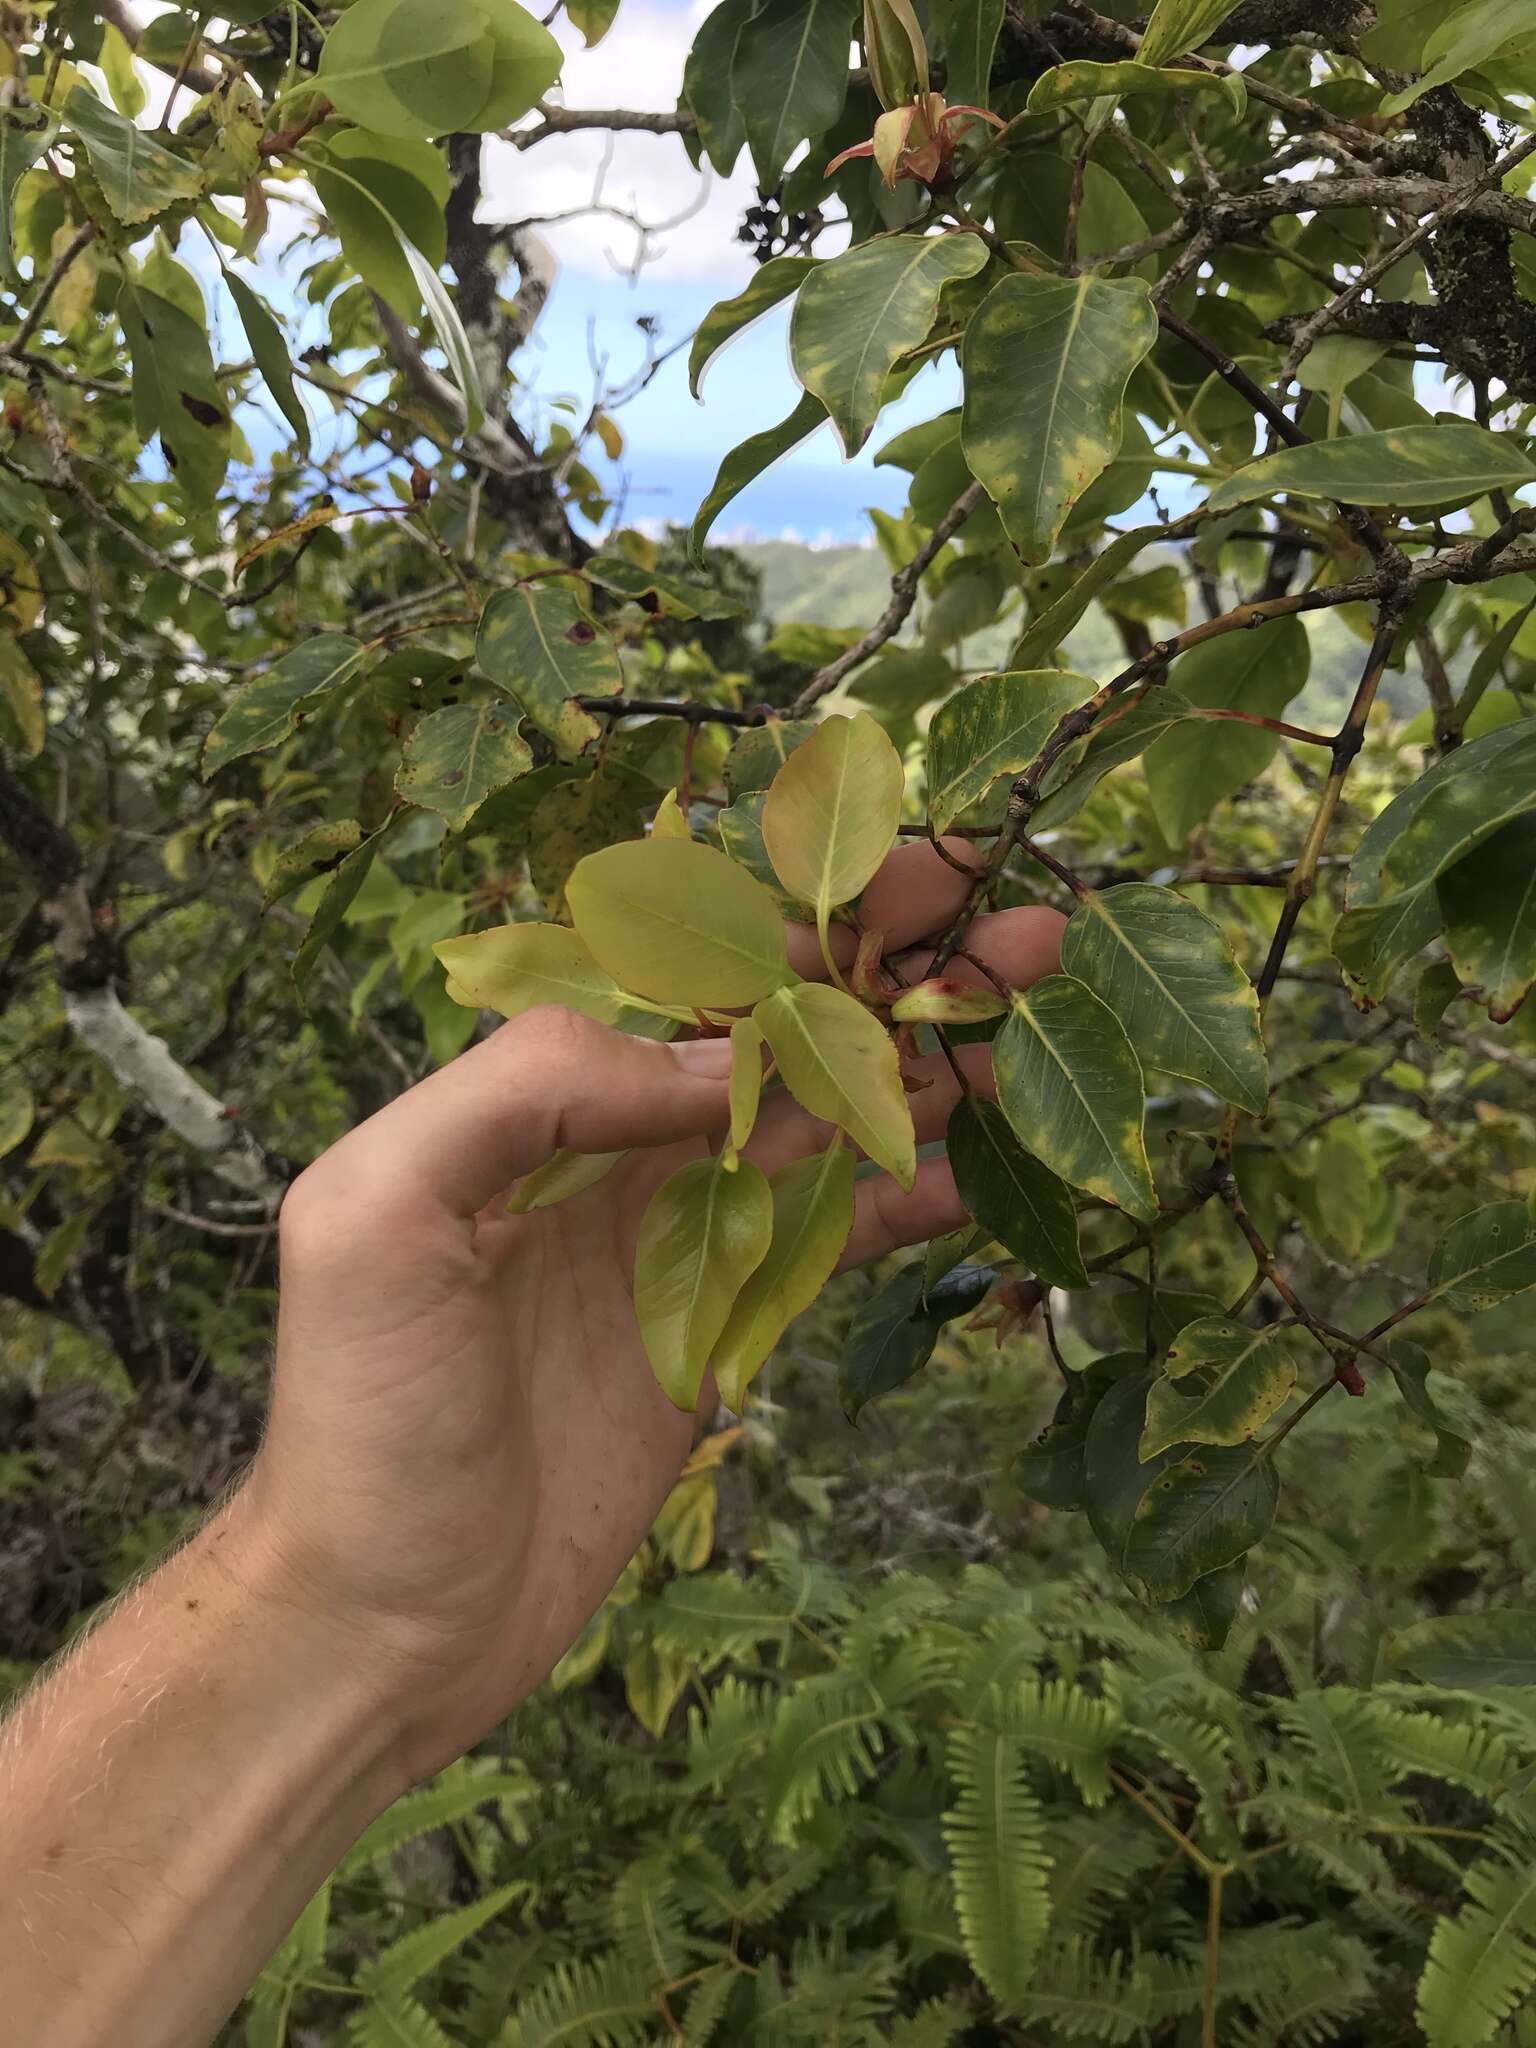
{"x": 999, "y": 1852}
{"x": 857, "y": 315}
{"x": 1070, "y": 1083}
{"x": 893, "y": 1335}
{"x": 333, "y": 906}
{"x": 525, "y": 63}
{"x": 968, "y": 30}
{"x": 680, "y": 923}
{"x": 991, "y": 728}
{"x": 1448, "y": 813}
{"x": 318, "y": 851}
{"x": 747, "y": 462}
{"x": 678, "y": 597}
{"x": 139, "y": 177}
{"x": 1176, "y": 26}
{"x": 840, "y": 1064}
{"x": 573, "y": 819}
{"x": 1238, "y": 1378}
{"x": 1046, "y": 363}
{"x": 1170, "y": 975}
{"x": 1046, "y": 631}
{"x": 1371, "y": 943}
{"x": 563, "y": 1175}
{"x": 16, "y": 1112}
{"x": 272, "y": 706}
{"x": 515, "y": 967}
{"x": 389, "y": 67}
{"x": 592, "y": 19}
{"x": 789, "y": 77}
{"x": 1438, "y": 987}
{"x": 1495, "y": 1647}
{"x": 269, "y": 351}
{"x": 812, "y": 1217}
{"x": 123, "y": 81}
{"x": 1488, "y": 904}
{"x": 746, "y": 1083}
{"x": 402, "y": 1963}
{"x": 706, "y": 90}
{"x": 1411, "y": 1369}
{"x": 21, "y": 694}
{"x": 175, "y": 393}
{"x": 772, "y": 282}
{"x": 762, "y": 751}
{"x": 457, "y": 757}
{"x": 1484, "y": 1256}
{"x": 1199, "y": 1513}
{"x": 1065, "y": 84}
{"x": 392, "y": 192}
{"x": 1438, "y": 465}
{"x": 704, "y": 1232}
{"x": 831, "y": 813}
{"x": 536, "y": 643}
{"x": 1468, "y": 37}
{"x": 20, "y": 148}
{"x": 1116, "y": 739}
{"x": 1195, "y": 766}
{"x": 1017, "y": 1200}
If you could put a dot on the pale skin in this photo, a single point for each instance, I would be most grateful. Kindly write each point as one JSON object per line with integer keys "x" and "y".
{"x": 466, "y": 1445}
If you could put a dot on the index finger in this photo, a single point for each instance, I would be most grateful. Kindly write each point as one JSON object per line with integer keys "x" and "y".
{"x": 914, "y": 894}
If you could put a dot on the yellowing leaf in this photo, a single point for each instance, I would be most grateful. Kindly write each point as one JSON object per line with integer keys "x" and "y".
{"x": 684, "y": 1531}
{"x": 746, "y": 1084}
{"x": 703, "y": 1233}
{"x": 840, "y": 1064}
{"x": 21, "y": 694}
{"x": 515, "y": 967}
{"x": 993, "y": 727}
{"x": 537, "y": 643}
{"x": 812, "y": 1216}
{"x": 831, "y": 813}
{"x": 669, "y": 822}
{"x": 678, "y": 922}
{"x": 1222, "y": 1384}
{"x": 457, "y": 757}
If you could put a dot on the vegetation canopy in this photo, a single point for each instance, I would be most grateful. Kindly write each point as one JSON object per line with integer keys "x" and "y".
{"x": 341, "y": 711}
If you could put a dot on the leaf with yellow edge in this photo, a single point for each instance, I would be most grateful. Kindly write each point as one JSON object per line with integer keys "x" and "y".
{"x": 831, "y": 813}
{"x": 812, "y": 1217}
{"x": 703, "y": 1234}
{"x": 515, "y": 967}
{"x": 746, "y": 1085}
{"x": 840, "y": 1064}
{"x": 678, "y": 922}
{"x": 1223, "y": 1382}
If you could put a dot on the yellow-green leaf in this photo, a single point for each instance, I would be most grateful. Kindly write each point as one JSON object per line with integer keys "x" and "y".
{"x": 271, "y": 707}
{"x": 515, "y": 967}
{"x": 771, "y": 283}
{"x": 16, "y": 1112}
{"x": 21, "y": 693}
{"x": 1069, "y": 1082}
{"x": 1081, "y": 79}
{"x": 123, "y": 81}
{"x": 748, "y": 461}
{"x": 678, "y": 922}
{"x": 704, "y": 1232}
{"x": 567, "y": 1173}
{"x": 812, "y": 1216}
{"x": 831, "y": 813}
{"x": 1180, "y": 25}
{"x": 1222, "y": 1383}
{"x": 457, "y": 757}
{"x": 840, "y": 1064}
{"x": 1443, "y": 464}
{"x": 993, "y": 727}
{"x": 746, "y": 1084}
{"x": 669, "y": 822}
{"x": 538, "y": 644}
{"x": 139, "y": 177}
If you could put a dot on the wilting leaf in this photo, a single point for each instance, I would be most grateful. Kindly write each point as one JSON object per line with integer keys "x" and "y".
{"x": 319, "y": 851}
{"x": 772, "y": 282}
{"x": 831, "y": 813}
{"x": 789, "y": 77}
{"x": 894, "y": 1333}
{"x": 703, "y": 1233}
{"x": 1496, "y": 1647}
{"x": 1046, "y": 364}
{"x": 1192, "y": 768}
{"x": 1488, "y": 905}
{"x": 1170, "y": 975}
{"x": 1434, "y": 465}
{"x": 812, "y": 1216}
{"x": 1484, "y": 1256}
{"x": 990, "y": 728}
{"x": 857, "y": 315}
{"x": 1221, "y": 1384}
{"x": 1070, "y": 1083}
{"x": 271, "y": 707}
{"x": 747, "y": 462}
{"x": 678, "y": 922}
{"x": 515, "y": 967}
{"x": 537, "y": 644}
{"x": 840, "y": 1064}
{"x": 139, "y": 176}
{"x": 457, "y": 757}
{"x": 1020, "y": 1202}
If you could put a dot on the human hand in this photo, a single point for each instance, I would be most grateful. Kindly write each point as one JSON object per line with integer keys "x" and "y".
{"x": 466, "y": 1442}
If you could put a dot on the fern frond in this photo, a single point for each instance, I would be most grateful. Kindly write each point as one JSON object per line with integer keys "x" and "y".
{"x": 1082, "y": 1996}
{"x": 925, "y": 1913}
{"x": 938, "y": 2024}
{"x": 400, "y": 1966}
{"x": 896, "y": 1608}
{"x": 735, "y": 1731}
{"x": 1481, "y": 1965}
{"x": 301, "y": 1953}
{"x": 1456, "y": 1752}
{"x": 648, "y": 1930}
{"x": 711, "y": 1615}
{"x": 1311, "y": 2006}
{"x": 459, "y": 1791}
{"x": 582, "y": 2005}
{"x": 812, "y": 1590}
{"x": 396, "y": 2023}
{"x": 1071, "y": 1729}
{"x": 1095, "y": 1858}
{"x": 1199, "y": 1753}
{"x": 1011, "y": 1646}
{"x": 835, "y": 1999}
{"x": 1346, "y": 1763}
{"x": 706, "y": 2005}
{"x": 758, "y": 1902}
{"x": 996, "y": 1844}
{"x": 826, "y": 1741}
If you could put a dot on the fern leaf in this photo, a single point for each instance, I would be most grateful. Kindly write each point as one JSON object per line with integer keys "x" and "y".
{"x": 1082, "y": 1996}
{"x": 706, "y": 2008}
{"x": 735, "y": 1731}
{"x": 925, "y": 1913}
{"x": 396, "y": 2023}
{"x": 1481, "y": 1965}
{"x": 1456, "y": 1752}
{"x": 648, "y": 1929}
{"x": 582, "y": 2005}
{"x": 997, "y": 1852}
{"x": 938, "y": 2024}
{"x": 403, "y": 1964}
{"x": 455, "y": 1794}
{"x": 1095, "y": 1857}
{"x": 300, "y": 1954}
{"x": 1070, "y": 1728}
{"x": 826, "y": 1741}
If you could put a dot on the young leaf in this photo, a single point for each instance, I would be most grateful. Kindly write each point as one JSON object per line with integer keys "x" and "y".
{"x": 669, "y": 821}
{"x": 893, "y": 1335}
{"x": 990, "y": 728}
{"x": 1064, "y": 84}
{"x": 704, "y": 1232}
{"x": 1170, "y": 975}
{"x": 747, "y": 462}
{"x": 831, "y": 813}
{"x": 139, "y": 177}
{"x": 1069, "y": 1082}
{"x": 1443, "y": 464}
{"x": 772, "y": 282}
{"x": 812, "y": 1216}
{"x": 1191, "y": 768}
{"x": 1046, "y": 363}
{"x": 1238, "y": 1376}
{"x": 175, "y": 393}
{"x": 840, "y": 1064}
{"x": 269, "y": 708}
{"x": 457, "y": 757}
{"x": 1488, "y": 904}
{"x": 516, "y": 967}
{"x": 746, "y": 1083}
{"x": 857, "y": 315}
{"x": 680, "y": 923}
{"x": 789, "y": 77}
{"x": 567, "y": 1173}
{"x": 1017, "y": 1200}
{"x": 536, "y": 643}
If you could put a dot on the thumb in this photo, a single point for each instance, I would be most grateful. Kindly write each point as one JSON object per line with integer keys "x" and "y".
{"x": 548, "y": 1079}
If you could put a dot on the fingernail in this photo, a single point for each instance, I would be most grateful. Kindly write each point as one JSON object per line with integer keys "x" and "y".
{"x": 710, "y": 1058}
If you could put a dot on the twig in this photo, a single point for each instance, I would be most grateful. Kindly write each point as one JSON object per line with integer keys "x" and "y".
{"x": 78, "y": 242}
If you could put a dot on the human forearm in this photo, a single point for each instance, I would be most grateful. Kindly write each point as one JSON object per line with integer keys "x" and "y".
{"x": 173, "y": 1794}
